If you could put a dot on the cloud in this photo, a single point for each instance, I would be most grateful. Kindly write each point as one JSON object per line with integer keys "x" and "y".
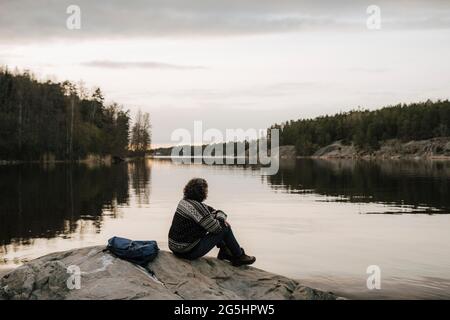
{"x": 46, "y": 19}
{"x": 250, "y": 96}
{"x": 140, "y": 65}
{"x": 369, "y": 70}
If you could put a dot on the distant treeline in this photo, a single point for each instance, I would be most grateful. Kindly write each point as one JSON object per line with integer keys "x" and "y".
{"x": 239, "y": 149}
{"x": 62, "y": 121}
{"x": 366, "y": 129}
{"x": 363, "y": 128}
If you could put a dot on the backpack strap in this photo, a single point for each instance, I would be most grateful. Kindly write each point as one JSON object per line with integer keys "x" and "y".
{"x": 152, "y": 273}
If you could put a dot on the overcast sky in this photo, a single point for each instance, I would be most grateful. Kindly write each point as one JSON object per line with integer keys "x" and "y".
{"x": 235, "y": 63}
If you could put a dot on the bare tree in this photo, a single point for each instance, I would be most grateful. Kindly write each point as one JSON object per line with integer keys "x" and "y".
{"x": 141, "y": 133}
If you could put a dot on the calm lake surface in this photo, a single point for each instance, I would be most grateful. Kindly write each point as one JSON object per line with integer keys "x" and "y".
{"x": 321, "y": 221}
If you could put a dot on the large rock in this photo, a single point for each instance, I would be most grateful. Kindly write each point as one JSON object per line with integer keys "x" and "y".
{"x": 435, "y": 148}
{"x": 336, "y": 150}
{"x": 104, "y": 276}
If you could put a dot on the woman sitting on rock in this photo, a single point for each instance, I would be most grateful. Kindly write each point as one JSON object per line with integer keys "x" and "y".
{"x": 197, "y": 228}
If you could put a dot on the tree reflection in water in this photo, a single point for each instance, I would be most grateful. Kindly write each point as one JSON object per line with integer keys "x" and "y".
{"x": 418, "y": 186}
{"x": 39, "y": 201}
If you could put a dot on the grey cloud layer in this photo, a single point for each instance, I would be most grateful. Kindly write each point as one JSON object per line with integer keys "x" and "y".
{"x": 27, "y": 19}
{"x": 140, "y": 64}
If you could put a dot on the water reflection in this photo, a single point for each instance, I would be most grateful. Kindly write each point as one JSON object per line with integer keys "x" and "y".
{"x": 415, "y": 186}
{"x": 140, "y": 172}
{"x": 49, "y": 201}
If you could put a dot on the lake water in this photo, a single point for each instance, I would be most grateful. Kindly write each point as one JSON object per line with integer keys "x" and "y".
{"x": 320, "y": 221}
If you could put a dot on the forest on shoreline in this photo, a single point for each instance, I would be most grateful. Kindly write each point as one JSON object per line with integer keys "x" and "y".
{"x": 366, "y": 129}
{"x": 64, "y": 121}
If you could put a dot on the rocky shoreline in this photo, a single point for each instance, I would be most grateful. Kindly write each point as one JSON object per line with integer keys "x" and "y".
{"x": 431, "y": 149}
{"x": 104, "y": 277}
{"x": 3, "y": 272}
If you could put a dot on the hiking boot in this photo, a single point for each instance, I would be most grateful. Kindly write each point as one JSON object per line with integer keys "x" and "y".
{"x": 225, "y": 254}
{"x": 243, "y": 260}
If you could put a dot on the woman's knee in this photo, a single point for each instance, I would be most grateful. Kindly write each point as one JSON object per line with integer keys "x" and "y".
{"x": 226, "y": 229}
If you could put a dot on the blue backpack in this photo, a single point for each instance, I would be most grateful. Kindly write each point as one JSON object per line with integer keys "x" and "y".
{"x": 138, "y": 252}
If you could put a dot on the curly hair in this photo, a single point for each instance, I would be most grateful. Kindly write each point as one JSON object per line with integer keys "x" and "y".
{"x": 196, "y": 189}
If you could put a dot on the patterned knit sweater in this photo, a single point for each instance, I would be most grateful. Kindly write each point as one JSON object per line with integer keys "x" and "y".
{"x": 191, "y": 222}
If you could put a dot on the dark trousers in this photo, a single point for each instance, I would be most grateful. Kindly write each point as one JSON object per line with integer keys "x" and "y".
{"x": 223, "y": 239}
